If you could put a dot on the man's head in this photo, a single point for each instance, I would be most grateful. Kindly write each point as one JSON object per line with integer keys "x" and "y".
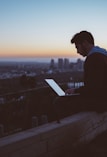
{"x": 84, "y": 41}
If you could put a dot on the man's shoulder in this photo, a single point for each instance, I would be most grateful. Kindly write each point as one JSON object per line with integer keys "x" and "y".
{"x": 96, "y": 56}
{"x": 96, "y": 60}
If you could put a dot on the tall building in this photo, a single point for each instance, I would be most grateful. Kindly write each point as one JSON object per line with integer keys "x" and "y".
{"x": 52, "y": 64}
{"x": 79, "y": 64}
{"x": 66, "y": 63}
{"x": 60, "y": 63}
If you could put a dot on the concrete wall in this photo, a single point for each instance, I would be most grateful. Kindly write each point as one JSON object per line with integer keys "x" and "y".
{"x": 55, "y": 139}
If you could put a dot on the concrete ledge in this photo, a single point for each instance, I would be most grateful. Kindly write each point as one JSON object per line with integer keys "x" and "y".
{"x": 53, "y": 139}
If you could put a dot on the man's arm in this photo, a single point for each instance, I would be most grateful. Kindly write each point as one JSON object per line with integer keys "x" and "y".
{"x": 93, "y": 74}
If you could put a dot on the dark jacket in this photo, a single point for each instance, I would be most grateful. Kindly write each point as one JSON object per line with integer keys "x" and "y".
{"x": 95, "y": 75}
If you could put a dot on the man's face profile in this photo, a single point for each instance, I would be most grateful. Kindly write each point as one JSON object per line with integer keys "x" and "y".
{"x": 81, "y": 49}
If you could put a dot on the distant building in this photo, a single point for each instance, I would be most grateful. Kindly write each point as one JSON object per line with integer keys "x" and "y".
{"x": 66, "y": 63}
{"x": 52, "y": 64}
{"x": 79, "y": 64}
{"x": 60, "y": 63}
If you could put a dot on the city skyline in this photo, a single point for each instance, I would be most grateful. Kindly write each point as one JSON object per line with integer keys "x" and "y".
{"x": 39, "y": 60}
{"x": 42, "y": 30}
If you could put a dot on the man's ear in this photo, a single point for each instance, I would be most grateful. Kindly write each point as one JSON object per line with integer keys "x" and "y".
{"x": 85, "y": 43}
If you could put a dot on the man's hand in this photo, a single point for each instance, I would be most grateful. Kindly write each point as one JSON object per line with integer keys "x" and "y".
{"x": 70, "y": 91}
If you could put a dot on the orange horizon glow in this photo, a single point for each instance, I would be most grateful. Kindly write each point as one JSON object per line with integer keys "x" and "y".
{"x": 39, "y": 53}
{"x": 28, "y": 51}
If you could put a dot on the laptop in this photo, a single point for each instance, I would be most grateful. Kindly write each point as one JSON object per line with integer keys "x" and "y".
{"x": 56, "y": 87}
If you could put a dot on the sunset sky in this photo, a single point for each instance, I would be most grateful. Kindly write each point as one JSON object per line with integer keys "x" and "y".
{"x": 43, "y": 28}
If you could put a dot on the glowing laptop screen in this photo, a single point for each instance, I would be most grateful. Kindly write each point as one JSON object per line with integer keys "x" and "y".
{"x": 55, "y": 87}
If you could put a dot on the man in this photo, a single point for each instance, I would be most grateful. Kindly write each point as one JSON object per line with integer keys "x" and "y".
{"x": 95, "y": 65}
{"x": 92, "y": 96}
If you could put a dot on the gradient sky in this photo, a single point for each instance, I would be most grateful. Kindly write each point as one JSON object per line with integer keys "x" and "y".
{"x": 43, "y": 28}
